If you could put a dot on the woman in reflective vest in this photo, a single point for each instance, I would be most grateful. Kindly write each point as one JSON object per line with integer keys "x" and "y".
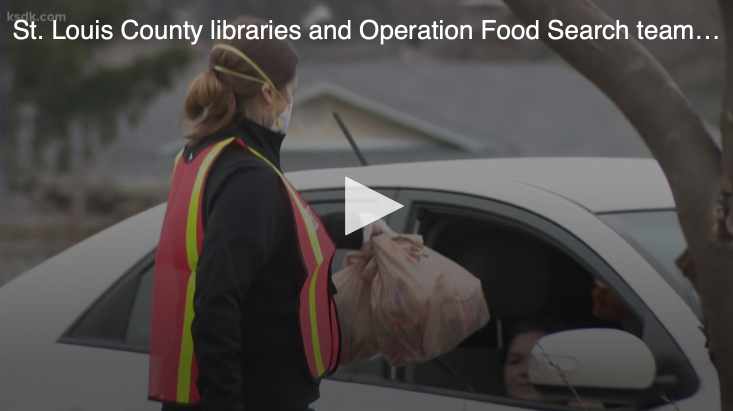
{"x": 243, "y": 315}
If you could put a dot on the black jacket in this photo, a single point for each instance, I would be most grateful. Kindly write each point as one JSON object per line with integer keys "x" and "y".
{"x": 246, "y": 330}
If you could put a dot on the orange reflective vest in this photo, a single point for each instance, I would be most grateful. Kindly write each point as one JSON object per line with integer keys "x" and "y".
{"x": 173, "y": 369}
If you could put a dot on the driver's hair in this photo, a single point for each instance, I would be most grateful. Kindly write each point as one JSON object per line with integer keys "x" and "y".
{"x": 545, "y": 325}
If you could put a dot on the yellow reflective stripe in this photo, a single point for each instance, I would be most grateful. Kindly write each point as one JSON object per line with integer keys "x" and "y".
{"x": 314, "y": 324}
{"x": 193, "y": 211}
{"x": 319, "y": 259}
{"x": 186, "y": 357}
{"x": 311, "y": 231}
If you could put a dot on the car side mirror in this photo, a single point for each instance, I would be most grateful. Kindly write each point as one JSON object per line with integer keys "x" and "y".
{"x": 601, "y": 364}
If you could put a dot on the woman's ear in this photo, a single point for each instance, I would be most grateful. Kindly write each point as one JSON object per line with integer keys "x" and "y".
{"x": 267, "y": 95}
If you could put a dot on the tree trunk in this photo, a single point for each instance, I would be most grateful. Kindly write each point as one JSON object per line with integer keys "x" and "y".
{"x": 721, "y": 343}
{"x": 726, "y": 127}
{"x": 676, "y": 137}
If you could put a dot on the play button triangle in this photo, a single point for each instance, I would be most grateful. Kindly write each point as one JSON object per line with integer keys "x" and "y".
{"x": 364, "y": 205}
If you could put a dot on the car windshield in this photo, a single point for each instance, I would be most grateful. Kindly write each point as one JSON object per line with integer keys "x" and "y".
{"x": 657, "y": 236}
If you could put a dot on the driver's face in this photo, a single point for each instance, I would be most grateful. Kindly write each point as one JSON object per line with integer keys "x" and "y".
{"x": 516, "y": 377}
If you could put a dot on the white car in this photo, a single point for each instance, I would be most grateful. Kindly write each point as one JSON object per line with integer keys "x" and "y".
{"x": 74, "y": 330}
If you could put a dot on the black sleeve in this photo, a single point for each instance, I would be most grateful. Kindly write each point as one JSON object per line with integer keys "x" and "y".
{"x": 239, "y": 237}
{"x": 335, "y": 224}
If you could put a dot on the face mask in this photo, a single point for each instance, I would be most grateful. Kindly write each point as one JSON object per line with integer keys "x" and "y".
{"x": 283, "y": 120}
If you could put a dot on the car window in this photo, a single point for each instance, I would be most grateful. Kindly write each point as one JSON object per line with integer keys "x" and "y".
{"x": 117, "y": 319}
{"x": 522, "y": 278}
{"x": 530, "y": 269}
{"x": 138, "y": 328}
{"x": 657, "y": 235}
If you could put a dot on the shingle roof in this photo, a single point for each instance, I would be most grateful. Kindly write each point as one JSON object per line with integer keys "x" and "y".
{"x": 528, "y": 109}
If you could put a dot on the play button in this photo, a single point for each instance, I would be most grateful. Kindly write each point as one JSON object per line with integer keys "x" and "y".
{"x": 364, "y": 205}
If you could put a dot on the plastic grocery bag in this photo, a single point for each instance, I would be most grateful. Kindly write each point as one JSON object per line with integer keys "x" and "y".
{"x": 353, "y": 303}
{"x": 422, "y": 304}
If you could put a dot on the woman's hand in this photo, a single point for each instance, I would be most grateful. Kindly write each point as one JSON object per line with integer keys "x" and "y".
{"x": 376, "y": 228}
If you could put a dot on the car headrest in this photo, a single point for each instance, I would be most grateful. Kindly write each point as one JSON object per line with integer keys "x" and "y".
{"x": 513, "y": 270}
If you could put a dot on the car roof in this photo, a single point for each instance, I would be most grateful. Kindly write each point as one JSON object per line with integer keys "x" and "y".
{"x": 597, "y": 184}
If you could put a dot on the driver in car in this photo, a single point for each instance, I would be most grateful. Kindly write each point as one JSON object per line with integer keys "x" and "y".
{"x": 516, "y": 363}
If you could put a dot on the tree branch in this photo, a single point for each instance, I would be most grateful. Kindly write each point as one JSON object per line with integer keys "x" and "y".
{"x": 724, "y": 208}
{"x": 726, "y": 121}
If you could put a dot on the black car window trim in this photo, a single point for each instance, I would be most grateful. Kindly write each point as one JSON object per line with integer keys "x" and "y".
{"x": 134, "y": 274}
{"x": 652, "y": 259}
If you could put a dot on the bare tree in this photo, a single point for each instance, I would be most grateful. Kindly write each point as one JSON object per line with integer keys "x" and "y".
{"x": 699, "y": 174}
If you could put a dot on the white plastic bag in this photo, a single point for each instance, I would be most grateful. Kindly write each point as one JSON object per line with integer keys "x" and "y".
{"x": 423, "y": 304}
{"x": 353, "y": 303}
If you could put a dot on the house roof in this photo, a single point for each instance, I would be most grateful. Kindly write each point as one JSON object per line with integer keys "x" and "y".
{"x": 508, "y": 109}
{"x": 390, "y": 112}
{"x": 476, "y": 109}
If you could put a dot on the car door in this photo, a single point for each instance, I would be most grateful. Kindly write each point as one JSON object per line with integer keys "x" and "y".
{"x": 371, "y": 385}
{"x": 474, "y": 371}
